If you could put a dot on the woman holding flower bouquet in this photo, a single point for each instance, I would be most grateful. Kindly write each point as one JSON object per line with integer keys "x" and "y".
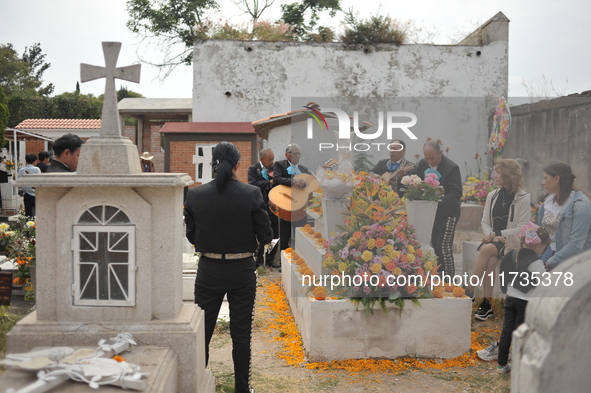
{"x": 506, "y": 209}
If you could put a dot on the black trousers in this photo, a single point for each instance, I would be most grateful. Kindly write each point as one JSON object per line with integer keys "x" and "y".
{"x": 29, "y": 201}
{"x": 286, "y": 229}
{"x": 514, "y": 316}
{"x": 260, "y": 253}
{"x": 237, "y": 279}
{"x": 442, "y": 240}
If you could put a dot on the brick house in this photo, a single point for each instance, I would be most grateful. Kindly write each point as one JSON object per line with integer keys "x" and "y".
{"x": 188, "y": 147}
{"x": 151, "y": 115}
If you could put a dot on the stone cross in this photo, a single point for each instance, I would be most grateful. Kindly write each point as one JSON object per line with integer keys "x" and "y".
{"x": 206, "y": 161}
{"x": 110, "y": 126}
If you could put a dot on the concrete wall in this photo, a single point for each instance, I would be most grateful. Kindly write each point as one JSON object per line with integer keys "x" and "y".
{"x": 558, "y": 129}
{"x": 251, "y": 80}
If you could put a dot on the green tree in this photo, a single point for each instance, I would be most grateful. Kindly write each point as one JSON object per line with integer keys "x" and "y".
{"x": 376, "y": 29}
{"x": 170, "y": 23}
{"x": 23, "y": 75}
{"x": 295, "y": 14}
{"x": 124, "y": 93}
{"x": 4, "y": 115}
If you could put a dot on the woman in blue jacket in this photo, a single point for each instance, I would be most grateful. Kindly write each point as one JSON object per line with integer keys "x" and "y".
{"x": 566, "y": 214}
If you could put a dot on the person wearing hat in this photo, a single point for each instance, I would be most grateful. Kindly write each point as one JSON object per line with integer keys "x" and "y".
{"x": 146, "y": 161}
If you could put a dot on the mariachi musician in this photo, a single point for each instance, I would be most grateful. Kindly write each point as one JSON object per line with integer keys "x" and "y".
{"x": 283, "y": 173}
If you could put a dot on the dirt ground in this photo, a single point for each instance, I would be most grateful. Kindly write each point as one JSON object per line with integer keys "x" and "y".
{"x": 271, "y": 374}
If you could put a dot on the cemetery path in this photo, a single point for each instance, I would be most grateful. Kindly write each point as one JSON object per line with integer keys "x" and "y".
{"x": 272, "y": 374}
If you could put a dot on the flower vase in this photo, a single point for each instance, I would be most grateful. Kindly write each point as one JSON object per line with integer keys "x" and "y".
{"x": 421, "y": 215}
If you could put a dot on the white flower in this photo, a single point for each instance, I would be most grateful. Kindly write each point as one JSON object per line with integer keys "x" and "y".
{"x": 415, "y": 179}
{"x": 30, "y": 224}
{"x": 4, "y": 226}
{"x": 405, "y": 180}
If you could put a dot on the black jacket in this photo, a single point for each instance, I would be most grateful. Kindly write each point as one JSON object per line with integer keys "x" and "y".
{"x": 514, "y": 267}
{"x": 451, "y": 181}
{"x": 280, "y": 175}
{"x": 227, "y": 222}
{"x": 256, "y": 178}
{"x": 56, "y": 166}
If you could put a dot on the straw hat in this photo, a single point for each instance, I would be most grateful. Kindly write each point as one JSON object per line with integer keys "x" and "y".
{"x": 146, "y": 156}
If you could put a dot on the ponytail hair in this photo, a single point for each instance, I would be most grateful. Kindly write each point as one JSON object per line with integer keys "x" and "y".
{"x": 225, "y": 157}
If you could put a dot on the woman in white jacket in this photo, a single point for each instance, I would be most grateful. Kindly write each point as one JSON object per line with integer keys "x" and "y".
{"x": 506, "y": 209}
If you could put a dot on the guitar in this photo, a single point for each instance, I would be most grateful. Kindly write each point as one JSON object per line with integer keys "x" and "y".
{"x": 289, "y": 203}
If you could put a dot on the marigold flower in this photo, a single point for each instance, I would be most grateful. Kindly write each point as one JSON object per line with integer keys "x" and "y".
{"x": 317, "y": 235}
{"x": 118, "y": 358}
{"x": 18, "y": 281}
{"x": 288, "y": 250}
{"x": 438, "y": 293}
{"x": 459, "y": 292}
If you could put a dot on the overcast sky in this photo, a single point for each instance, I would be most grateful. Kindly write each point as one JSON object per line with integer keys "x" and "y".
{"x": 547, "y": 39}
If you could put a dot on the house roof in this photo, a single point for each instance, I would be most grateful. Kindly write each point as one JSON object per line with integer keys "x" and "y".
{"x": 21, "y": 135}
{"x": 59, "y": 124}
{"x": 263, "y": 126}
{"x": 208, "y": 128}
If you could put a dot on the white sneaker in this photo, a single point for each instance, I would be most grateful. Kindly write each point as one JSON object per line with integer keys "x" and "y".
{"x": 490, "y": 353}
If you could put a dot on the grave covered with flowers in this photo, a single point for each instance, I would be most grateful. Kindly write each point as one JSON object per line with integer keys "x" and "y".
{"x": 334, "y": 286}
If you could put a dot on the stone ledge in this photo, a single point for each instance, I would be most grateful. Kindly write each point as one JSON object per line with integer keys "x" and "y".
{"x": 131, "y": 180}
{"x": 181, "y": 334}
{"x": 161, "y": 363}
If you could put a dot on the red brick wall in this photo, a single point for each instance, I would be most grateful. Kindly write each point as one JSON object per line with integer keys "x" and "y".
{"x": 182, "y": 152}
{"x": 35, "y": 146}
{"x": 129, "y": 131}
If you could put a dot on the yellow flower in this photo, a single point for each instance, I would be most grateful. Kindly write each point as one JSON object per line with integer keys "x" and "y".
{"x": 428, "y": 265}
{"x": 411, "y": 257}
{"x": 367, "y": 256}
{"x": 30, "y": 224}
{"x": 352, "y": 241}
{"x": 375, "y": 268}
{"x": 4, "y": 226}
{"x": 394, "y": 254}
{"x": 385, "y": 259}
{"x": 397, "y": 271}
{"x": 371, "y": 243}
{"x": 388, "y": 249}
{"x": 410, "y": 249}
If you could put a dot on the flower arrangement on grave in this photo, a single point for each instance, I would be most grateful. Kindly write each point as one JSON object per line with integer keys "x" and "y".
{"x": 336, "y": 184}
{"x": 5, "y": 236}
{"x": 475, "y": 189}
{"x": 22, "y": 248}
{"x": 378, "y": 250}
{"x": 417, "y": 189}
{"x": 315, "y": 203}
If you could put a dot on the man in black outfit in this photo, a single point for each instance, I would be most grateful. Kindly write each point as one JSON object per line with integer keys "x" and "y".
{"x": 67, "y": 153}
{"x": 43, "y": 163}
{"x": 448, "y": 210}
{"x": 283, "y": 173}
{"x": 396, "y": 166}
{"x": 261, "y": 176}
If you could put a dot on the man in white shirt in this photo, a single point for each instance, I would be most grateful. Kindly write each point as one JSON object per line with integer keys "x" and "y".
{"x": 28, "y": 193}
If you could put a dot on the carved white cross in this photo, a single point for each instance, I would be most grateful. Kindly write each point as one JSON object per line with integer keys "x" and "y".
{"x": 205, "y": 160}
{"x": 110, "y": 126}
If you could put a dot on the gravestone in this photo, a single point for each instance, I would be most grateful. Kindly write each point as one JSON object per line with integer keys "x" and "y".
{"x": 109, "y": 250}
{"x": 552, "y": 348}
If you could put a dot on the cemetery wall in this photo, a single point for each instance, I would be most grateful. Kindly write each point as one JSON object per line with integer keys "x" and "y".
{"x": 548, "y": 131}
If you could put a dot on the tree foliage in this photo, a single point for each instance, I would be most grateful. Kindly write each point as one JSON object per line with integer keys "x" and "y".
{"x": 295, "y": 14}
{"x": 63, "y": 106}
{"x": 254, "y": 8}
{"x": 376, "y": 29}
{"x": 169, "y": 22}
{"x": 23, "y": 74}
{"x": 4, "y": 115}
